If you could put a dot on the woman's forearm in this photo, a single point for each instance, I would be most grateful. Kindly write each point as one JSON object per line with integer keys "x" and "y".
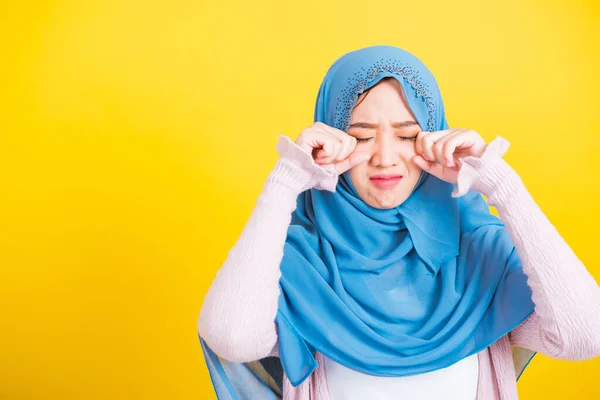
{"x": 566, "y": 320}
{"x": 238, "y": 312}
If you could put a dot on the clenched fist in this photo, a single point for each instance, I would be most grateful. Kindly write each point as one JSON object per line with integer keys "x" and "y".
{"x": 329, "y": 145}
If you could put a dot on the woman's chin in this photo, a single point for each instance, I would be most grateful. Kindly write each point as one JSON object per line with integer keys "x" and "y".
{"x": 385, "y": 200}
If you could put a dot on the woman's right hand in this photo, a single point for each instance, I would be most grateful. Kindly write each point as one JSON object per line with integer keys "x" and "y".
{"x": 327, "y": 144}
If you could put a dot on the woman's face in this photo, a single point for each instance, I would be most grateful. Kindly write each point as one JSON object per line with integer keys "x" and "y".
{"x": 382, "y": 116}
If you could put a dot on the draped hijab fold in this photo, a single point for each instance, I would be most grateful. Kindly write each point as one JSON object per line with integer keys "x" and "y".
{"x": 400, "y": 291}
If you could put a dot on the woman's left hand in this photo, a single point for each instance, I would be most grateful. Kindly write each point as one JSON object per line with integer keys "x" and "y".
{"x": 446, "y": 148}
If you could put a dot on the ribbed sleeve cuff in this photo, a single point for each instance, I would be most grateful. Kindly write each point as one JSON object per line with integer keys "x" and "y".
{"x": 489, "y": 174}
{"x": 297, "y": 169}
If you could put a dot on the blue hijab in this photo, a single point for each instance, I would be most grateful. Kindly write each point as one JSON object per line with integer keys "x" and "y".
{"x": 401, "y": 291}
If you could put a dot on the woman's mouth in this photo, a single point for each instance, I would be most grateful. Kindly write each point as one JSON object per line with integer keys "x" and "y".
{"x": 386, "y": 182}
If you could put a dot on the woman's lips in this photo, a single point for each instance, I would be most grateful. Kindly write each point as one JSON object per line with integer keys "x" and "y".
{"x": 386, "y": 183}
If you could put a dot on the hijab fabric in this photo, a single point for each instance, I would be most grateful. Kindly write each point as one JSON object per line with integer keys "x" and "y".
{"x": 400, "y": 291}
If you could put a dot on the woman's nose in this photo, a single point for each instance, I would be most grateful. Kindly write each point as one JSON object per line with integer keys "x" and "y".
{"x": 385, "y": 154}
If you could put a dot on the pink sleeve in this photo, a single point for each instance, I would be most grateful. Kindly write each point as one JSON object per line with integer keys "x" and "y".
{"x": 237, "y": 318}
{"x": 566, "y": 320}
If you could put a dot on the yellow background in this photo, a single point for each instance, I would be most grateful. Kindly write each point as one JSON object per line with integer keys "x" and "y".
{"x": 135, "y": 137}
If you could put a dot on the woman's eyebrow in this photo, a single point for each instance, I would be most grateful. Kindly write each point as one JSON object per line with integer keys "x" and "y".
{"x": 367, "y": 125}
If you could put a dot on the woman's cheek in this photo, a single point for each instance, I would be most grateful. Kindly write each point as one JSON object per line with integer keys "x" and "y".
{"x": 358, "y": 175}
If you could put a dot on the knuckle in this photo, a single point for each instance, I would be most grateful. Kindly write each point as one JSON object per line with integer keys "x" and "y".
{"x": 332, "y": 144}
{"x": 305, "y": 132}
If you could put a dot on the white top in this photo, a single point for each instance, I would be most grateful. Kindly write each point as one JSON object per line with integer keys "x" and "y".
{"x": 456, "y": 382}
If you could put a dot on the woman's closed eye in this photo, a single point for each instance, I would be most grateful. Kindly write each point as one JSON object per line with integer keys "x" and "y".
{"x": 402, "y": 138}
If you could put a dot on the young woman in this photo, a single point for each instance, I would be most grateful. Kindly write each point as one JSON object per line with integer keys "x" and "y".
{"x": 372, "y": 268}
